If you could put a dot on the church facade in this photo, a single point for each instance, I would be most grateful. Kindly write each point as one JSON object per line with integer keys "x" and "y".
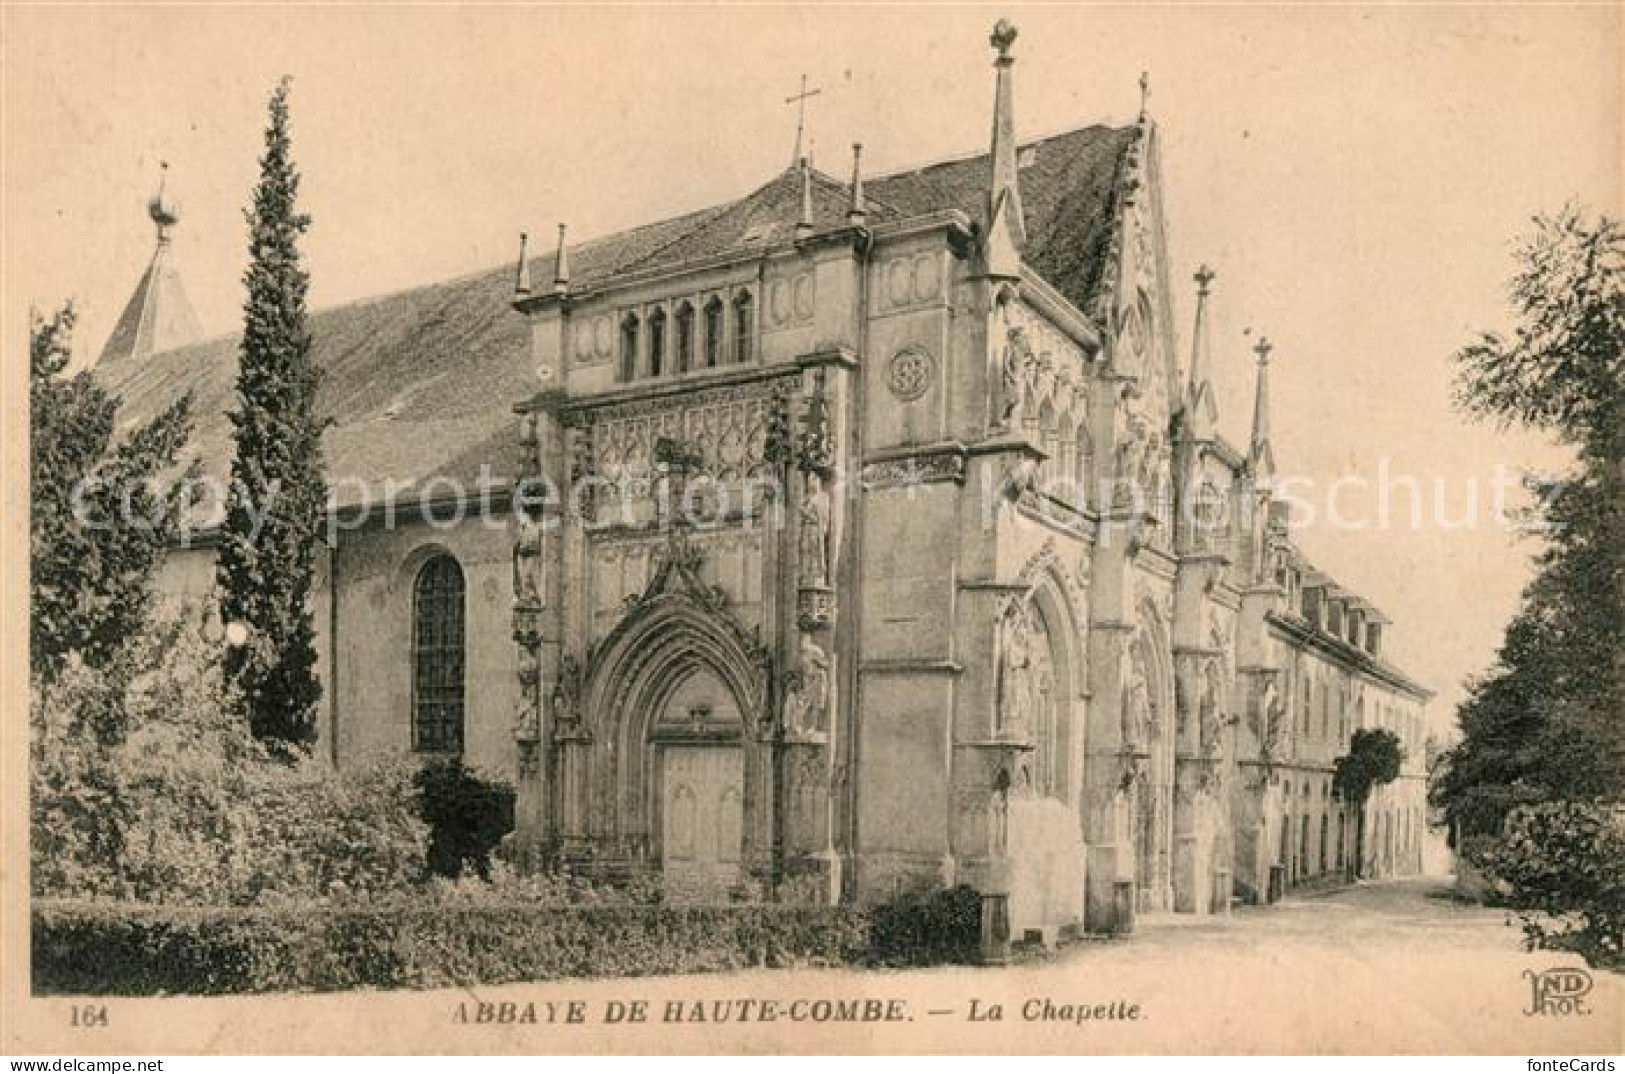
{"x": 855, "y": 535}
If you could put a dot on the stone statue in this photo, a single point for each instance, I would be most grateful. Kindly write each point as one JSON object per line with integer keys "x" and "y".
{"x": 1015, "y": 673}
{"x": 813, "y": 543}
{"x": 1208, "y": 725}
{"x": 528, "y": 727}
{"x": 527, "y": 546}
{"x": 565, "y": 700}
{"x": 1136, "y": 716}
{"x": 1011, "y": 372}
{"x": 1131, "y": 451}
{"x": 1273, "y": 720}
{"x": 806, "y": 706}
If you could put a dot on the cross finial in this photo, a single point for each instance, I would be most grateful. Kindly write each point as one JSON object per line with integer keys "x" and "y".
{"x": 1004, "y": 36}
{"x": 1145, "y": 94}
{"x": 1262, "y": 349}
{"x": 800, "y": 101}
{"x": 1204, "y": 278}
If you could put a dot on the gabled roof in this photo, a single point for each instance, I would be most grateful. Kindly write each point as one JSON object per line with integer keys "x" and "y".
{"x": 419, "y": 384}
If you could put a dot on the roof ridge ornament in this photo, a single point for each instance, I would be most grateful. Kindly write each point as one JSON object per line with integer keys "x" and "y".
{"x": 521, "y": 275}
{"x": 561, "y": 266}
{"x": 804, "y": 221}
{"x": 857, "y": 212}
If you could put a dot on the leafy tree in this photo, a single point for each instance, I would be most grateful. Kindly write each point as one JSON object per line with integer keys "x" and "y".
{"x": 100, "y": 515}
{"x": 1545, "y": 722}
{"x": 278, "y": 497}
{"x": 1373, "y": 759}
{"x": 1564, "y": 864}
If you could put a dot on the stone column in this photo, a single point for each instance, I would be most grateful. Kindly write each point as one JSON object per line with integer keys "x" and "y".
{"x": 1110, "y": 861}
{"x": 809, "y": 694}
{"x": 535, "y": 522}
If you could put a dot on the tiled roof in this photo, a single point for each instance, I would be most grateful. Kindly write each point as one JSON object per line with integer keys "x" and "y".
{"x": 419, "y": 384}
{"x": 1068, "y": 195}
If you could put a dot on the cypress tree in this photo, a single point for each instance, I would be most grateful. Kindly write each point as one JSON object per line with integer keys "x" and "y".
{"x": 277, "y": 502}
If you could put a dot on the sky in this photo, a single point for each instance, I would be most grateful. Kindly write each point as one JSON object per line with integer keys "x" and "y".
{"x": 1356, "y": 176}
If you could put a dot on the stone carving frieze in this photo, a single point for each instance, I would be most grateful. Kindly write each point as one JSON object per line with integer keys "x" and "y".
{"x": 923, "y": 469}
{"x": 726, "y": 428}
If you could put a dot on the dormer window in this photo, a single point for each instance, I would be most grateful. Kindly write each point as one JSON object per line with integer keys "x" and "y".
{"x": 685, "y": 337}
{"x": 657, "y": 342}
{"x": 744, "y": 328}
{"x": 713, "y": 333}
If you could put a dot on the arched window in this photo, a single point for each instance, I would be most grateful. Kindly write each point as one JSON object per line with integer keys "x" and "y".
{"x": 744, "y": 328}
{"x": 629, "y": 347}
{"x": 437, "y": 657}
{"x": 713, "y": 333}
{"x": 685, "y": 337}
{"x": 657, "y": 342}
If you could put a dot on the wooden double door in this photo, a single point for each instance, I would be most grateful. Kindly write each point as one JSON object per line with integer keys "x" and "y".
{"x": 702, "y": 820}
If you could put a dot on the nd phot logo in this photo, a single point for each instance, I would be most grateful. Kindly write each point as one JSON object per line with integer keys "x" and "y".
{"x": 1558, "y": 991}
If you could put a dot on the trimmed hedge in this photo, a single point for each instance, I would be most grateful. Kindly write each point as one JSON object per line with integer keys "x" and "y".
{"x": 141, "y": 949}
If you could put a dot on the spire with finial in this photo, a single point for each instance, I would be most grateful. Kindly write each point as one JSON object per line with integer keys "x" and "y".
{"x": 1203, "y": 410}
{"x": 1145, "y": 96}
{"x": 1263, "y": 459}
{"x": 1006, "y": 230}
{"x": 857, "y": 213}
{"x": 521, "y": 272}
{"x": 561, "y": 266}
{"x": 158, "y": 316}
{"x": 804, "y": 221}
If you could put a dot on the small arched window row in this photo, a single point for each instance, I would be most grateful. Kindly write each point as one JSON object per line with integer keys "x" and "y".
{"x": 687, "y": 336}
{"x": 439, "y": 656}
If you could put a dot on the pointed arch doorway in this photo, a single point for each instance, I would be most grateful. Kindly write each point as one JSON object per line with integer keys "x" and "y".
{"x": 698, "y": 787}
{"x": 677, "y": 780}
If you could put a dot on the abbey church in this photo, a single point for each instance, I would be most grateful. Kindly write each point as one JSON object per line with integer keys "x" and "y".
{"x": 863, "y": 533}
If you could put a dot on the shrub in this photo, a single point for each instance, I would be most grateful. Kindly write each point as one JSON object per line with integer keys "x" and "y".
{"x": 927, "y": 926}
{"x": 1561, "y": 866}
{"x": 146, "y": 787}
{"x": 467, "y": 817}
{"x": 124, "y": 949}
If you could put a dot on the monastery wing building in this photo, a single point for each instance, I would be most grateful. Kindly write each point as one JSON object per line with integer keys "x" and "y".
{"x": 858, "y": 534}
